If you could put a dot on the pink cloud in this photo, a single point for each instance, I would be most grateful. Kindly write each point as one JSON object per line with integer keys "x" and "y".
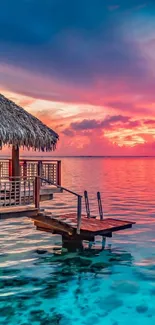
{"x": 108, "y": 117}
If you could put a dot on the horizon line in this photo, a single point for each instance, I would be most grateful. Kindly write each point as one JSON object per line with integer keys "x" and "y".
{"x": 83, "y": 156}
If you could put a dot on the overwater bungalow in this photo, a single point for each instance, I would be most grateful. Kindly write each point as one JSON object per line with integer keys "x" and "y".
{"x": 19, "y": 129}
{"x": 26, "y": 182}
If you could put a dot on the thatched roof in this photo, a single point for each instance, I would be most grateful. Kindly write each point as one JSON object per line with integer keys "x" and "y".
{"x": 19, "y": 128}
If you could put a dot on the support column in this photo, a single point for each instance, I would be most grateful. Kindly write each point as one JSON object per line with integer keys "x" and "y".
{"x": 15, "y": 162}
{"x": 72, "y": 245}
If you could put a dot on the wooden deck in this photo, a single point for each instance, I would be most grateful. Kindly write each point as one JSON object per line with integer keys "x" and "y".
{"x": 66, "y": 225}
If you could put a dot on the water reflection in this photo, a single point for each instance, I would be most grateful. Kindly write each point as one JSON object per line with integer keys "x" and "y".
{"x": 42, "y": 284}
{"x": 38, "y": 293}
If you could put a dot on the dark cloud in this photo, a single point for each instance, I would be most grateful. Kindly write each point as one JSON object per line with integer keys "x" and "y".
{"x": 72, "y": 40}
{"x": 114, "y": 119}
{"x": 86, "y": 125}
{"x": 68, "y": 132}
{"x": 108, "y": 123}
{"x": 95, "y": 124}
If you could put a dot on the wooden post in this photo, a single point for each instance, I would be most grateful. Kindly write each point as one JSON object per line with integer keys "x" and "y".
{"x": 15, "y": 162}
{"x": 37, "y": 192}
{"x": 59, "y": 172}
{"x": 72, "y": 245}
{"x": 79, "y": 208}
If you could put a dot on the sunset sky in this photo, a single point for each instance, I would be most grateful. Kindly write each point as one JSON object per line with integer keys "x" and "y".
{"x": 84, "y": 67}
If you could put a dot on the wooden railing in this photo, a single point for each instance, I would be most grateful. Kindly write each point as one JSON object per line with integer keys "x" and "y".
{"x": 48, "y": 169}
{"x": 18, "y": 191}
{"x": 39, "y": 180}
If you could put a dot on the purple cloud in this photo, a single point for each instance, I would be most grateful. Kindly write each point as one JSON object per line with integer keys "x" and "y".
{"x": 108, "y": 123}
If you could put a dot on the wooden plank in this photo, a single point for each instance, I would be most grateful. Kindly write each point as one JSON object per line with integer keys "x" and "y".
{"x": 94, "y": 225}
{"x": 18, "y": 211}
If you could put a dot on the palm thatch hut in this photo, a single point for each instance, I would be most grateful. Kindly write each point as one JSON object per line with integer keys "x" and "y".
{"x": 18, "y": 128}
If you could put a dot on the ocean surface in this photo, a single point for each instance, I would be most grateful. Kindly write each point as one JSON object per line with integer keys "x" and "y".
{"x": 42, "y": 284}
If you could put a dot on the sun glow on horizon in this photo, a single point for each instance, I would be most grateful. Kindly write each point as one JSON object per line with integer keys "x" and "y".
{"x": 79, "y": 129}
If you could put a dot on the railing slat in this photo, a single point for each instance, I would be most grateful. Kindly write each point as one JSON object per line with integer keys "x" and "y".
{"x": 10, "y": 190}
{"x": 15, "y": 189}
{"x": 29, "y": 185}
{"x": 37, "y": 192}
{"x": 5, "y": 194}
{"x": 20, "y": 193}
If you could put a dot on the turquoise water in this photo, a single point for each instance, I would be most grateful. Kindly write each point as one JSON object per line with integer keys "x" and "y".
{"x": 42, "y": 284}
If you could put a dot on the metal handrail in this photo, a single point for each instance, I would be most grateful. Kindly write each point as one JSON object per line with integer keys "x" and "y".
{"x": 79, "y": 200}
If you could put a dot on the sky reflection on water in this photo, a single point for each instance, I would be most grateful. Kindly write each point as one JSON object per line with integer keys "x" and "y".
{"x": 40, "y": 284}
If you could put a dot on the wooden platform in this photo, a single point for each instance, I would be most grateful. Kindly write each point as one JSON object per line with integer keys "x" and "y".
{"x": 66, "y": 225}
{"x": 18, "y": 211}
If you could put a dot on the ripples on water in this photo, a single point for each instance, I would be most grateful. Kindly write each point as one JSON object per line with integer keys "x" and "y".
{"x": 41, "y": 284}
